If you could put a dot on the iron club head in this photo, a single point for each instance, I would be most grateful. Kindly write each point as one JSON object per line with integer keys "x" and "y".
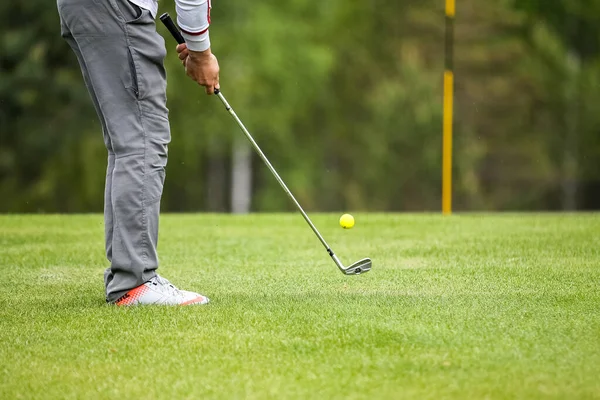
{"x": 359, "y": 267}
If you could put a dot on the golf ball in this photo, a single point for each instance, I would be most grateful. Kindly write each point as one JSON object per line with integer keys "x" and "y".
{"x": 346, "y": 221}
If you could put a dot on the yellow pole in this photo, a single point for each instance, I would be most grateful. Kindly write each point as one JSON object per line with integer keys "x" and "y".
{"x": 448, "y": 110}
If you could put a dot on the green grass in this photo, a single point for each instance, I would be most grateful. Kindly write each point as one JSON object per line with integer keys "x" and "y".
{"x": 472, "y": 306}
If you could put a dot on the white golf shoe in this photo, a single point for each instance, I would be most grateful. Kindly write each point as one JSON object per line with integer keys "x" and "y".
{"x": 159, "y": 291}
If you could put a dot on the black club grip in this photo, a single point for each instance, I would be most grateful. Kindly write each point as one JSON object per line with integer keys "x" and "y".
{"x": 166, "y": 19}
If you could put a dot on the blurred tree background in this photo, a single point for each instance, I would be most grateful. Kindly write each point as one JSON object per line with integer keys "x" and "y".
{"x": 344, "y": 97}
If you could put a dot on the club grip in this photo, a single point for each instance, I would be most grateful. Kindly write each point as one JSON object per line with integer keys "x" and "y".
{"x": 166, "y": 19}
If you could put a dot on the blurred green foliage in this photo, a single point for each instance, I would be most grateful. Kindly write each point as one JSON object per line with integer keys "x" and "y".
{"x": 344, "y": 97}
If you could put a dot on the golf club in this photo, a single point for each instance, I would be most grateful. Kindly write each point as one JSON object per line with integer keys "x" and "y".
{"x": 358, "y": 267}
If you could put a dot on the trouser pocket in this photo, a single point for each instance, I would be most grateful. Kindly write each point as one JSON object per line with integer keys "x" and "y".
{"x": 127, "y": 11}
{"x": 135, "y": 82}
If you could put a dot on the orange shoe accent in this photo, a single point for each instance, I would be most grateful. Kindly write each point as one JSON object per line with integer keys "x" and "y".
{"x": 132, "y": 296}
{"x": 198, "y": 299}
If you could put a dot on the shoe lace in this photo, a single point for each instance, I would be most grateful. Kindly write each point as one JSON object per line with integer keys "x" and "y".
{"x": 167, "y": 286}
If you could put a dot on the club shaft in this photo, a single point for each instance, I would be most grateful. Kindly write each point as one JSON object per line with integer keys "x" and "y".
{"x": 275, "y": 174}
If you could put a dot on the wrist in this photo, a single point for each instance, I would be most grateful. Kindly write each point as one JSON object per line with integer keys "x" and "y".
{"x": 200, "y": 55}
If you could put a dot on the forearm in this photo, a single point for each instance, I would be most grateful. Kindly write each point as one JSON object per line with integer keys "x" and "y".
{"x": 193, "y": 18}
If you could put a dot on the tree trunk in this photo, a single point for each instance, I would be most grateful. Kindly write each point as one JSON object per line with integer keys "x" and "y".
{"x": 570, "y": 163}
{"x": 241, "y": 177}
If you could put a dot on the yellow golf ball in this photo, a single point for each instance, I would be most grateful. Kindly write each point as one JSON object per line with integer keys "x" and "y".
{"x": 346, "y": 221}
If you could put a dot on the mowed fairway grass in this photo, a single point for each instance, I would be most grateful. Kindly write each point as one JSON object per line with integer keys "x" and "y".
{"x": 470, "y": 306}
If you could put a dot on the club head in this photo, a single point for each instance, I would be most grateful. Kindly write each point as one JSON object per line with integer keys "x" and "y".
{"x": 359, "y": 267}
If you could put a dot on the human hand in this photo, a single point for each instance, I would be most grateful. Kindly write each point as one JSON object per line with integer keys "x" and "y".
{"x": 201, "y": 66}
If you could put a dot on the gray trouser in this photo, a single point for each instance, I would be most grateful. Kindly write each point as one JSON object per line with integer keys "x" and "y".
{"x": 121, "y": 57}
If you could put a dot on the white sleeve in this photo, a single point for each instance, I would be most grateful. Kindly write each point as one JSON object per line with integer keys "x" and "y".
{"x": 193, "y": 18}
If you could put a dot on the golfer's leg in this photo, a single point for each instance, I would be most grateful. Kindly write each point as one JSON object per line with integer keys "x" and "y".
{"x": 137, "y": 213}
{"x": 124, "y": 54}
{"x": 147, "y": 51}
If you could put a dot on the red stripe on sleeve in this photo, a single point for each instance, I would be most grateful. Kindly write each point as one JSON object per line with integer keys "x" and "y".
{"x": 195, "y": 33}
{"x": 208, "y": 12}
